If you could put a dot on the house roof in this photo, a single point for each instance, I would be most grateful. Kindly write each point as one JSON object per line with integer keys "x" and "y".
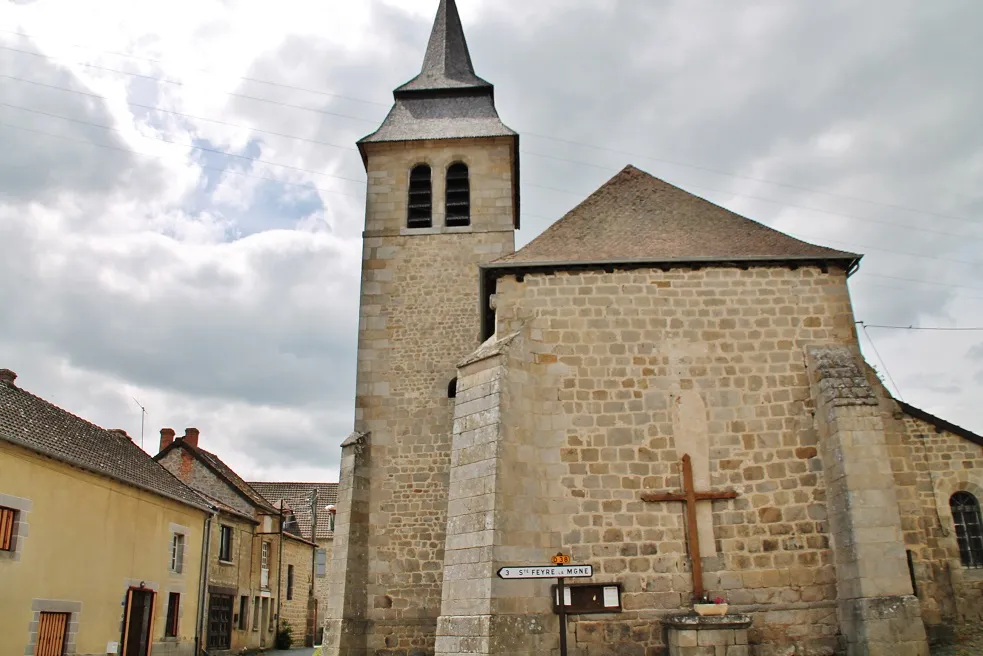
{"x": 33, "y": 423}
{"x": 296, "y": 496}
{"x": 223, "y": 471}
{"x": 636, "y": 217}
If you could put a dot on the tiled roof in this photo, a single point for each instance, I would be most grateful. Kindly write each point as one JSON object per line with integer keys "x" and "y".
{"x": 635, "y": 217}
{"x": 296, "y": 495}
{"x": 233, "y": 478}
{"x": 35, "y": 424}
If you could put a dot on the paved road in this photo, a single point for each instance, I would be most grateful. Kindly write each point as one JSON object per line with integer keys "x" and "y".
{"x": 292, "y": 652}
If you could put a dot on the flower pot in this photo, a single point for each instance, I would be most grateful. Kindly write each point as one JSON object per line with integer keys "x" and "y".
{"x": 710, "y": 609}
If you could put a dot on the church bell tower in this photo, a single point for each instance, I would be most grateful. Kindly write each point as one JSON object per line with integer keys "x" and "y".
{"x": 442, "y": 199}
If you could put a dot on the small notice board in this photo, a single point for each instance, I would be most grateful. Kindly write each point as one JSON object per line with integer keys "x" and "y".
{"x": 586, "y": 598}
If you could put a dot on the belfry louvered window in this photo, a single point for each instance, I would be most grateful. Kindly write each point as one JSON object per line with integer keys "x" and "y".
{"x": 458, "y": 196}
{"x": 420, "y": 213}
{"x": 969, "y": 528}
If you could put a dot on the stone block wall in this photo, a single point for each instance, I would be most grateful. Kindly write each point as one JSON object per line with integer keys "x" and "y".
{"x": 295, "y": 610}
{"x": 649, "y": 365}
{"x": 931, "y": 463}
{"x": 419, "y": 317}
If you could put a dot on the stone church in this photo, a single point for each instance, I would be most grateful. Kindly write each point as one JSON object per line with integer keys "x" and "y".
{"x": 656, "y": 387}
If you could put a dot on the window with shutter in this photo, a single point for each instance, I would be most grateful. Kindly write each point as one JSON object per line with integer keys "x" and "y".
{"x": 420, "y": 204}
{"x": 321, "y": 562}
{"x": 52, "y": 631}
{"x": 458, "y": 202}
{"x": 8, "y": 519}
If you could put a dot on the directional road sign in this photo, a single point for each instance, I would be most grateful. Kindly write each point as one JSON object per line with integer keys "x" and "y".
{"x": 547, "y": 572}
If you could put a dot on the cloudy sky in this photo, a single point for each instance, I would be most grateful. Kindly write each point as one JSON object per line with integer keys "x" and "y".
{"x": 181, "y": 201}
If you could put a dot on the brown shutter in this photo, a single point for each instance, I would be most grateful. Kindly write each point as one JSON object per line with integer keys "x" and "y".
{"x": 6, "y": 529}
{"x": 51, "y": 634}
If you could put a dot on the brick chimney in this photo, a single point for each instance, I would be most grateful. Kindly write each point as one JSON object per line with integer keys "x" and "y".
{"x": 191, "y": 436}
{"x": 7, "y": 376}
{"x": 166, "y": 437}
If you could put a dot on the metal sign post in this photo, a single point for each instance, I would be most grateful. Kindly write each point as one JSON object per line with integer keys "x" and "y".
{"x": 560, "y": 570}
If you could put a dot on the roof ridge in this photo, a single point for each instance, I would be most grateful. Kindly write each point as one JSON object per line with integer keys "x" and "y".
{"x": 636, "y": 218}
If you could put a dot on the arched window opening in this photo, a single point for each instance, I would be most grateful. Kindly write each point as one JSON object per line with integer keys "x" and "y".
{"x": 969, "y": 528}
{"x": 458, "y": 196}
{"x": 420, "y": 214}
{"x": 452, "y": 389}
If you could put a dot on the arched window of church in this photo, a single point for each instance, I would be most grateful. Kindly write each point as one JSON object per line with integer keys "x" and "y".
{"x": 420, "y": 213}
{"x": 969, "y": 528}
{"x": 452, "y": 389}
{"x": 458, "y": 196}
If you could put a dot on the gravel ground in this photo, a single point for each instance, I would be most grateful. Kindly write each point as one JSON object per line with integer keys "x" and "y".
{"x": 968, "y": 643}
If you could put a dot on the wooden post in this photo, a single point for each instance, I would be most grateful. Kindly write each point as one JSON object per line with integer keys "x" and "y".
{"x": 690, "y": 496}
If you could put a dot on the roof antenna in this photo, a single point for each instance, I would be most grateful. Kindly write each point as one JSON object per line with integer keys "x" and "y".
{"x": 143, "y": 416}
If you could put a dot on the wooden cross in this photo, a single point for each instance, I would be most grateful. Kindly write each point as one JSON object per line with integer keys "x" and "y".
{"x": 690, "y": 496}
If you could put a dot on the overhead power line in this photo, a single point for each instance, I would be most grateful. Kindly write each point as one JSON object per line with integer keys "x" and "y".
{"x": 203, "y": 166}
{"x": 526, "y": 152}
{"x": 357, "y": 197}
{"x": 530, "y": 133}
{"x": 930, "y": 328}
{"x": 883, "y": 364}
{"x": 186, "y": 145}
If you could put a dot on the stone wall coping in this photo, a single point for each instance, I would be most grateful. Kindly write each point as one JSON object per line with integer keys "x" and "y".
{"x": 694, "y": 622}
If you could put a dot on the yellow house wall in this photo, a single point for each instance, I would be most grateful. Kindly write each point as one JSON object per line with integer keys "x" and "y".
{"x": 89, "y": 539}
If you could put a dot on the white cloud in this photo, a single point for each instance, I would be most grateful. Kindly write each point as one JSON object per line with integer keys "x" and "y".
{"x": 228, "y": 301}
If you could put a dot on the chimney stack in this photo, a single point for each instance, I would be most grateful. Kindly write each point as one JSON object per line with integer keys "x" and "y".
{"x": 121, "y": 432}
{"x": 7, "y": 376}
{"x": 191, "y": 436}
{"x": 166, "y": 437}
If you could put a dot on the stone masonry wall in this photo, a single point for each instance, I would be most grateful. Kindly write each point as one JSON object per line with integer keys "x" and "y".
{"x": 419, "y": 317}
{"x": 930, "y": 465}
{"x": 650, "y": 365}
{"x": 295, "y": 610}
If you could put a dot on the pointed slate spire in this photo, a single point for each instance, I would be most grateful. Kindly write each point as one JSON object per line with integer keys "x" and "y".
{"x": 447, "y": 64}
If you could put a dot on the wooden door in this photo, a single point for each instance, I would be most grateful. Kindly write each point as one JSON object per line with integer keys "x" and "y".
{"x": 52, "y": 628}
{"x": 139, "y": 622}
{"x": 219, "y": 621}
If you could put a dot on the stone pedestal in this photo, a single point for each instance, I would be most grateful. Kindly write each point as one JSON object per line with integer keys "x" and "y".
{"x": 693, "y": 635}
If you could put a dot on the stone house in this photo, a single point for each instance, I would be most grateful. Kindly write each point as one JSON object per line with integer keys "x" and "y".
{"x": 254, "y": 563}
{"x": 655, "y": 386}
{"x": 100, "y": 546}
{"x": 317, "y": 527}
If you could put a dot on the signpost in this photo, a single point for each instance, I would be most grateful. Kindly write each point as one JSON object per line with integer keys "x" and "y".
{"x": 561, "y": 569}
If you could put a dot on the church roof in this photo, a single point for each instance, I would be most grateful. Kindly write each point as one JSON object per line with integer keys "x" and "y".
{"x": 447, "y": 64}
{"x": 447, "y": 100}
{"x": 637, "y": 218}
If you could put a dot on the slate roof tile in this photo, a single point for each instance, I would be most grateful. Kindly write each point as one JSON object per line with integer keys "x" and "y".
{"x": 635, "y": 217}
{"x": 33, "y": 423}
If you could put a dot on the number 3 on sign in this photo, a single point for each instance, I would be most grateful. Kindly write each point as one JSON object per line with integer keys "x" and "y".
{"x": 560, "y": 559}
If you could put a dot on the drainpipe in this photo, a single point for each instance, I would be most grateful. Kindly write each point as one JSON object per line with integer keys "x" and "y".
{"x": 203, "y": 582}
{"x": 279, "y": 576}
